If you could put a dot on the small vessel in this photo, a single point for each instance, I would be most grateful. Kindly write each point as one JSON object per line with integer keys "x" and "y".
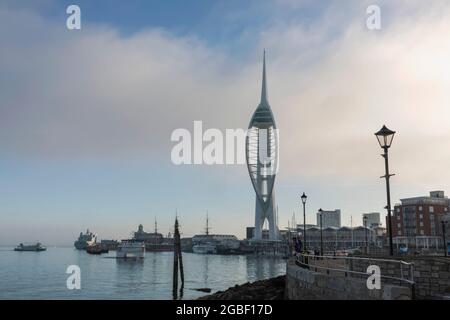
{"x": 30, "y": 247}
{"x": 130, "y": 249}
{"x": 85, "y": 240}
{"x": 205, "y": 248}
{"x": 96, "y": 249}
{"x": 204, "y": 244}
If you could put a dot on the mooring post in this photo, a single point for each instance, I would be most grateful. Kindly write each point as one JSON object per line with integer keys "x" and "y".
{"x": 180, "y": 257}
{"x": 175, "y": 263}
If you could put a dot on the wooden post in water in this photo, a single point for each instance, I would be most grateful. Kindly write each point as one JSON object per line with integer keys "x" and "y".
{"x": 177, "y": 259}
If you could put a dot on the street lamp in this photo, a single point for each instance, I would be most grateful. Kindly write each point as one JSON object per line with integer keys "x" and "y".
{"x": 304, "y": 197}
{"x": 365, "y": 228}
{"x": 321, "y": 235}
{"x": 385, "y": 137}
{"x": 443, "y": 235}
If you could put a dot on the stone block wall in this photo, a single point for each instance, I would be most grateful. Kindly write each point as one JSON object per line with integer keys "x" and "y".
{"x": 305, "y": 284}
{"x": 431, "y": 274}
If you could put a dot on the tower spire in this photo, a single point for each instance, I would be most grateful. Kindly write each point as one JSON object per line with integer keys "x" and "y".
{"x": 264, "y": 85}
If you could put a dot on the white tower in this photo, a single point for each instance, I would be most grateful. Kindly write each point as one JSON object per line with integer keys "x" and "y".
{"x": 262, "y": 161}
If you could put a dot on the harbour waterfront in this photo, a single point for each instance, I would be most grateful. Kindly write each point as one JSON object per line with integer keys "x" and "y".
{"x": 42, "y": 275}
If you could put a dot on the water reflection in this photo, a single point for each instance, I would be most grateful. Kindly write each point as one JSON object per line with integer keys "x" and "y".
{"x": 104, "y": 277}
{"x": 129, "y": 275}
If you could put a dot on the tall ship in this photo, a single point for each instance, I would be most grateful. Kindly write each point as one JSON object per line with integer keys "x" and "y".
{"x": 130, "y": 249}
{"x": 85, "y": 240}
{"x": 215, "y": 243}
{"x": 30, "y": 247}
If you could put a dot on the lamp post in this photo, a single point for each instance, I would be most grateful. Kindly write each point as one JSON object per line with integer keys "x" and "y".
{"x": 304, "y": 197}
{"x": 385, "y": 137}
{"x": 321, "y": 235}
{"x": 365, "y": 229}
{"x": 443, "y": 235}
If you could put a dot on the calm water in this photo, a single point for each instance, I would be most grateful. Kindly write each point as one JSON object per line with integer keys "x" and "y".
{"x": 41, "y": 275}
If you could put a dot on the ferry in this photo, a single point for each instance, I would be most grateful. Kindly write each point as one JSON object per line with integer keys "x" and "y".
{"x": 85, "y": 240}
{"x": 205, "y": 248}
{"x": 31, "y": 247}
{"x": 130, "y": 249}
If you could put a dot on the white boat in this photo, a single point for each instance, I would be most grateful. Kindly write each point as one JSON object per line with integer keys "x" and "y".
{"x": 130, "y": 249}
{"x": 30, "y": 247}
{"x": 205, "y": 248}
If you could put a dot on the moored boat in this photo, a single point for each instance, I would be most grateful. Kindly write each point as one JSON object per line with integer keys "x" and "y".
{"x": 130, "y": 249}
{"x": 96, "y": 249}
{"x": 205, "y": 248}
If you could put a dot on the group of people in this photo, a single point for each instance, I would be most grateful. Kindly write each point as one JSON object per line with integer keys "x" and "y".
{"x": 298, "y": 247}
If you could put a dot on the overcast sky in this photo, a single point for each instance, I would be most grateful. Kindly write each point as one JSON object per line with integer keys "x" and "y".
{"x": 86, "y": 115}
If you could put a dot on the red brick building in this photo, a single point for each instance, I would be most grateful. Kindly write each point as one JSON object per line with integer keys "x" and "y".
{"x": 417, "y": 221}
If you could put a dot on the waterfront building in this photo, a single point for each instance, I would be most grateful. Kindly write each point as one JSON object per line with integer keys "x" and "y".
{"x": 331, "y": 218}
{"x": 109, "y": 244}
{"x": 261, "y": 148}
{"x": 416, "y": 221}
{"x": 372, "y": 219}
{"x": 148, "y": 237}
{"x": 341, "y": 238}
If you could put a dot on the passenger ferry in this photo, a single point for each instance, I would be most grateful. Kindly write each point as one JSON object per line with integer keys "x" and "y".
{"x": 31, "y": 247}
{"x": 130, "y": 249}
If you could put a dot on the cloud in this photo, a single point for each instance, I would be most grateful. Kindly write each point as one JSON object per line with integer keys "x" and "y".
{"x": 97, "y": 94}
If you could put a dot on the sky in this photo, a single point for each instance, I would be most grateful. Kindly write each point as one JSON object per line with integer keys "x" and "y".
{"x": 86, "y": 115}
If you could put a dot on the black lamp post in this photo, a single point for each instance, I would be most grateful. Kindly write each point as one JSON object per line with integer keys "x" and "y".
{"x": 304, "y": 197}
{"x": 385, "y": 137}
{"x": 321, "y": 234}
{"x": 365, "y": 228}
{"x": 443, "y": 236}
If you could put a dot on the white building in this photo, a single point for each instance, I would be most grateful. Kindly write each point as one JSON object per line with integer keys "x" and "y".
{"x": 329, "y": 218}
{"x": 372, "y": 219}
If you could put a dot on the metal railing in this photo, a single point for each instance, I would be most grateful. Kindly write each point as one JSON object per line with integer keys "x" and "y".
{"x": 305, "y": 261}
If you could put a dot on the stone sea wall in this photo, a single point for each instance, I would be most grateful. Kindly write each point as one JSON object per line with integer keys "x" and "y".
{"x": 305, "y": 284}
{"x": 431, "y": 274}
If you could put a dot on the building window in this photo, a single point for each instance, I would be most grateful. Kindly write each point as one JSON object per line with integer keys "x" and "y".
{"x": 431, "y": 209}
{"x": 399, "y": 225}
{"x": 421, "y": 216}
{"x": 398, "y": 217}
{"x": 399, "y": 233}
{"x": 432, "y": 225}
{"x": 421, "y": 223}
{"x": 398, "y": 209}
{"x": 420, "y": 208}
{"x": 445, "y": 209}
{"x": 421, "y": 232}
